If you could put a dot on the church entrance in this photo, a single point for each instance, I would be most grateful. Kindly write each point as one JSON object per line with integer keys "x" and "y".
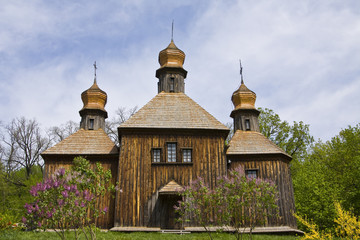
{"x": 168, "y": 215}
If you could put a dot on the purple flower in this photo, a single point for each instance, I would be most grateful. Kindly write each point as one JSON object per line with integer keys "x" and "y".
{"x": 60, "y": 202}
{"x": 61, "y": 171}
{"x": 33, "y": 191}
{"x": 64, "y": 194}
{"x": 76, "y": 202}
{"x": 39, "y": 224}
{"x": 82, "y": 204}
{"x": 73, "y": 188}
{"x": 48, "y": 214}
{"x": 24, "y": 220}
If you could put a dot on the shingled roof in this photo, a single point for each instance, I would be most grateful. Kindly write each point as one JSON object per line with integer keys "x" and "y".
{"x": 83, "y": 142}
{"x": 173, "y": 110}
{"x": 251, "y": 142}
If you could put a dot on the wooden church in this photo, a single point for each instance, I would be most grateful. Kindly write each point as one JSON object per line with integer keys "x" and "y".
{"x": 168, "y": 143}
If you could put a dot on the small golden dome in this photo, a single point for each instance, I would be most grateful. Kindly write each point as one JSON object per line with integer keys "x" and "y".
{"x": 94, "y": 98}
{"x": 243, "y": 98}
{"x": 171, "y": 56}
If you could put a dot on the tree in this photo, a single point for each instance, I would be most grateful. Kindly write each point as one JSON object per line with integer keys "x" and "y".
{"x": 22, "y": 144}
{"x": 59, "y": 133}
{"x": 294, "y": 139}
{"x": 121, "y": 115}
{"x": 330, "y": 173}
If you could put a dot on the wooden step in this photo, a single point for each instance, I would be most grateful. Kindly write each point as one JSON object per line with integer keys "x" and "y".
{"x": 175, "y": 231}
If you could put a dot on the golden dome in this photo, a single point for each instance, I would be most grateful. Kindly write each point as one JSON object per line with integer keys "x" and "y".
{"x": 94, "y": 98}
{"x": 243, "y": 98}
{"x": 171, "y": 56}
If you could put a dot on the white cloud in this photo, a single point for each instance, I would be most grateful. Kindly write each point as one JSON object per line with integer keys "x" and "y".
{"x": 300, "y": 57}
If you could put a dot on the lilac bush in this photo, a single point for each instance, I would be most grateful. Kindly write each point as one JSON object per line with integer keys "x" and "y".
{"x": 236, "y": 201}
{"x": 196, "y": 204}
{"x": 67, "y": 200}
{"x": 244, "y": 202}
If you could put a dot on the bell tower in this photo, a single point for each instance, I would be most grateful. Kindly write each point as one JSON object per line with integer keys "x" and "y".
{"x": 171, "y": 73}
{"x": 245, "y": 114}
{"x": 93, "y": 113}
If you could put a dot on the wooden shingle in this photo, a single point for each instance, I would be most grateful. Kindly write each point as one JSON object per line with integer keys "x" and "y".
{"x": 175, "y": 111}
{"x": 84, "y": 142}
{"x": 251, "y": 142}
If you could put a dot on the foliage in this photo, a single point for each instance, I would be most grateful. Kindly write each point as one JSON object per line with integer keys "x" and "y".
{"x": 21, "y": 235}
{"x": 197, "y": 204}
{"x": 313, "y": 230}
{"x": 14, "y": 196}
{"x": 329, "y": 173}
{"x": 67, "y": 200}
{"x": 244, "y": 202}
{"x": 7, "y": 222}
{"x": 293, "y": 139}
{"x": 347, "y": 226}
{"x": 237, "y": 201}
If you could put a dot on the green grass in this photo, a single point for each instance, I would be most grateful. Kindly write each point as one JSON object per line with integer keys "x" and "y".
{"x": 10, "y": 234}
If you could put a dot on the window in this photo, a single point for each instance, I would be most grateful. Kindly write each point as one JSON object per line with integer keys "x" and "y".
{"x": 187, "y": 157}
{"x": 247, "y": 124}
{"x": 91, "y": 124}
{"x": 156, "y": 155}
{"x": 171, "y": 152}
{"x": 251, "y": 173}
{"x": 172, "y": 83}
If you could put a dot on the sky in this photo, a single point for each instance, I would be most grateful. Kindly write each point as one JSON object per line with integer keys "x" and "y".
{"x": 301, "y": 58}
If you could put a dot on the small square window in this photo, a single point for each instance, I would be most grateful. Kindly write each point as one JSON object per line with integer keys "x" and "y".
{"x": 251, "y": 173}
{"x": 187, "y": 155}
{"x": 171, "y": 152}
{"x": 156, "y": 155}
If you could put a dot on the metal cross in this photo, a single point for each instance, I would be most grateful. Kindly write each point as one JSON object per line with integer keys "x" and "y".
{"x": 241, "y": 74}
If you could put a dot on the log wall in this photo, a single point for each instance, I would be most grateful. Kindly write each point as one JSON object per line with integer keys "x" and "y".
{"x": 275, "y": 168}
{"x": 140, "y": 179}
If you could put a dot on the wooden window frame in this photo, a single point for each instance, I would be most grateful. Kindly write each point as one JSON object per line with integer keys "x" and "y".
{"x": 172, "y": 84}
{"x": 247, "y": 125}
{"x": 250, "y": 175}
{"x": 91, "y": 123}
{"x": 183, "y": 155}
{"x": 172, "y": 155}
{"x": 153, "y": 155}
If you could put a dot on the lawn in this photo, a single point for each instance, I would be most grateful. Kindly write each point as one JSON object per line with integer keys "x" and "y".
{"x": 134, "y": 236}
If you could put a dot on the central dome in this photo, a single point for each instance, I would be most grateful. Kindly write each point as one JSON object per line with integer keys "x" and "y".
{"x": 171, "y": 56}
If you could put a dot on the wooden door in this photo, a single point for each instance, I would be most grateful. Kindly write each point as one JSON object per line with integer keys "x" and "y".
{"x": 168, "y": 215}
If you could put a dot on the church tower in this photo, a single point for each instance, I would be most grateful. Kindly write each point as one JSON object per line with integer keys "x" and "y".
{"x": 245, "y": 114}
{"x": 259, "y": 156}
{"x": 93, "y": 113}
{"x": 171, "y": 73}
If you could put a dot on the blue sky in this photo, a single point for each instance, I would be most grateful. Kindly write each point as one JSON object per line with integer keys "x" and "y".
{"x": 301, "y": 58}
